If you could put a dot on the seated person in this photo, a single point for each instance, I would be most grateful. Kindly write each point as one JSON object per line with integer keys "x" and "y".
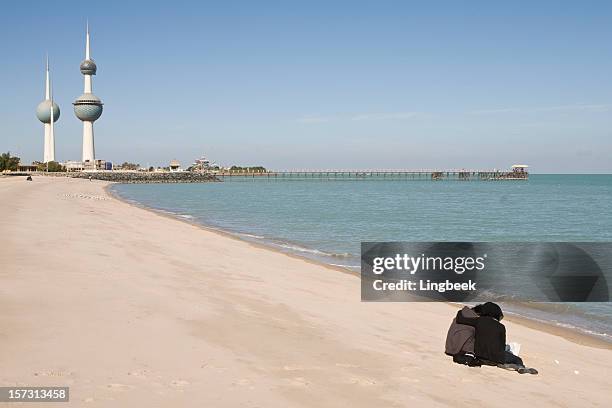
{"x": 460, "y": 339}
{"x": 490, "y": 338}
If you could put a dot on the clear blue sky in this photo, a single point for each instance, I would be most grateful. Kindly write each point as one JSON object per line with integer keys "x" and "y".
{"x": 330, "y": 84}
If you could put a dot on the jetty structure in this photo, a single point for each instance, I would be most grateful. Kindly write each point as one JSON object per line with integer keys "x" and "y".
{"x": 517, "y": 172}
{"x": 48, "y": 112}
{"x": 88, "y": 107}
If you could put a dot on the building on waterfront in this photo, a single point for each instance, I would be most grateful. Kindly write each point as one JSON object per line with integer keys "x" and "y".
{"x": 27, "y": 168}
{"x": 77, "y": 166}
{"x": 73, "y": 166}
{"x": 48, "y": 113}
{"x": 88, "y": 107}
{"x": 519, "y": 171}
{"x": 175, "y": 165}
{"x": 203, "y": 165}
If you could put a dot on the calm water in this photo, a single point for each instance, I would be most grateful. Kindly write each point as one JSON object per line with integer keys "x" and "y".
{"x": 327, "y": 220}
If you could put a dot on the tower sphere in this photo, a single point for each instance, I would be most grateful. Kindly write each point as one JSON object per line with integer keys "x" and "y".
{"x": 88, "y": 67}
{"x": 88, "y": 107}
{"x": 43, "y": 111}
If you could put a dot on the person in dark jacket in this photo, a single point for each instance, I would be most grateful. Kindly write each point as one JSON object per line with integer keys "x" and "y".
{"x": 460, "y": 340}
{"x": 490, "y": 337}
{"x": 460, "y": 337}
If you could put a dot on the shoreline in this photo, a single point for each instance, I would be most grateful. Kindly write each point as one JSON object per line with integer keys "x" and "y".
{"x": 576, "y": 335}
{"x": 226, "y": 234}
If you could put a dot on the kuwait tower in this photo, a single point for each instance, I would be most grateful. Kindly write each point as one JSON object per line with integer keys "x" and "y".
{"x": 48, "y": 112}
{"x": 88, "y": 107}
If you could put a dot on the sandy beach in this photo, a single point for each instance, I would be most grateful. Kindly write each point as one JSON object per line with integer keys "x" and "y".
{"x": 130, "y": 308}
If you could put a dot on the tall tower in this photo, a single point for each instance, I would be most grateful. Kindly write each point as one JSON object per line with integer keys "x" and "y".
{"x": 48, "y": 112}
{"x": 88, "y": 107}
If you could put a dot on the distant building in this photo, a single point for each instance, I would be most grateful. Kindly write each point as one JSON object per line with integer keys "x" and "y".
{"x": 520, "y": 168}
{"x": 202, "y": 162}
{"x": 27, "y": 167}
{"x": 72, "y": 165}
{"x": 519, "y": 171}
{"x": 204, "y": 165}
{"x": 175, "y": 165}
{"x": 104, "y": 165}
{"x": 89, "y": 165}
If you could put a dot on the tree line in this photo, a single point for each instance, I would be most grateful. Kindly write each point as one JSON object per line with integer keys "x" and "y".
{"x": 8, "y": 162}
{"x": 11, "y": 163}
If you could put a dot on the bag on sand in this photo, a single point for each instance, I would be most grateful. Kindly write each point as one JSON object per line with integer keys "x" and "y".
{"x": 467, "y": 359}
{"x": 514, "y": 348}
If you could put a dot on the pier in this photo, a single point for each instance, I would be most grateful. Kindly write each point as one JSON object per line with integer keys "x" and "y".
{"x": 518, "y": 173}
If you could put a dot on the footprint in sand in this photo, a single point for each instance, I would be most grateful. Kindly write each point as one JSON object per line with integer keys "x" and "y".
{"x": 52, "y": 373}
{"x": 346, "y": 365}
{"x": 179, "y": 383}
{"x": 409, "y": 379}
{"x": 138, "y": 374}
{"x": 213, "y": 367}
{"x": 299, "y": 381}
{"x": 86, "y": 196}
{"x": 292, "y": 368}
{"x": 119, "y": 387}
{"x": 300, "y": 368}
{"x": 362, "y": 381}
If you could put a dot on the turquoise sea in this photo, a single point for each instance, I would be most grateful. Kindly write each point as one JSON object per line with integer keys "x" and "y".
{"x": 327, "y": 220}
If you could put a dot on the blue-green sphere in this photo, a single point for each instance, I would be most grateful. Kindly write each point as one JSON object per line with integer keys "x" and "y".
{"x": 43, "y": 111}
{"x": 88, "y": 107}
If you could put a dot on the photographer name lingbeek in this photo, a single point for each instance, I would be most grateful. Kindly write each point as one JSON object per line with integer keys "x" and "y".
{"x": 426, "y": 285}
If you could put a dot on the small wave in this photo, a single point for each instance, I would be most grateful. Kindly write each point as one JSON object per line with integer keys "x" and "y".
{"x": 577, "y": 310}
{"x": 573, "y": 327}
{"x": 302, "y": 249}
{"x": 251, "y": 235}
{"x": 346, "y": 266}
{"x": 561, "y": 324}
{"x": 298, "y": 248}
{"x": 171, "y": 213}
